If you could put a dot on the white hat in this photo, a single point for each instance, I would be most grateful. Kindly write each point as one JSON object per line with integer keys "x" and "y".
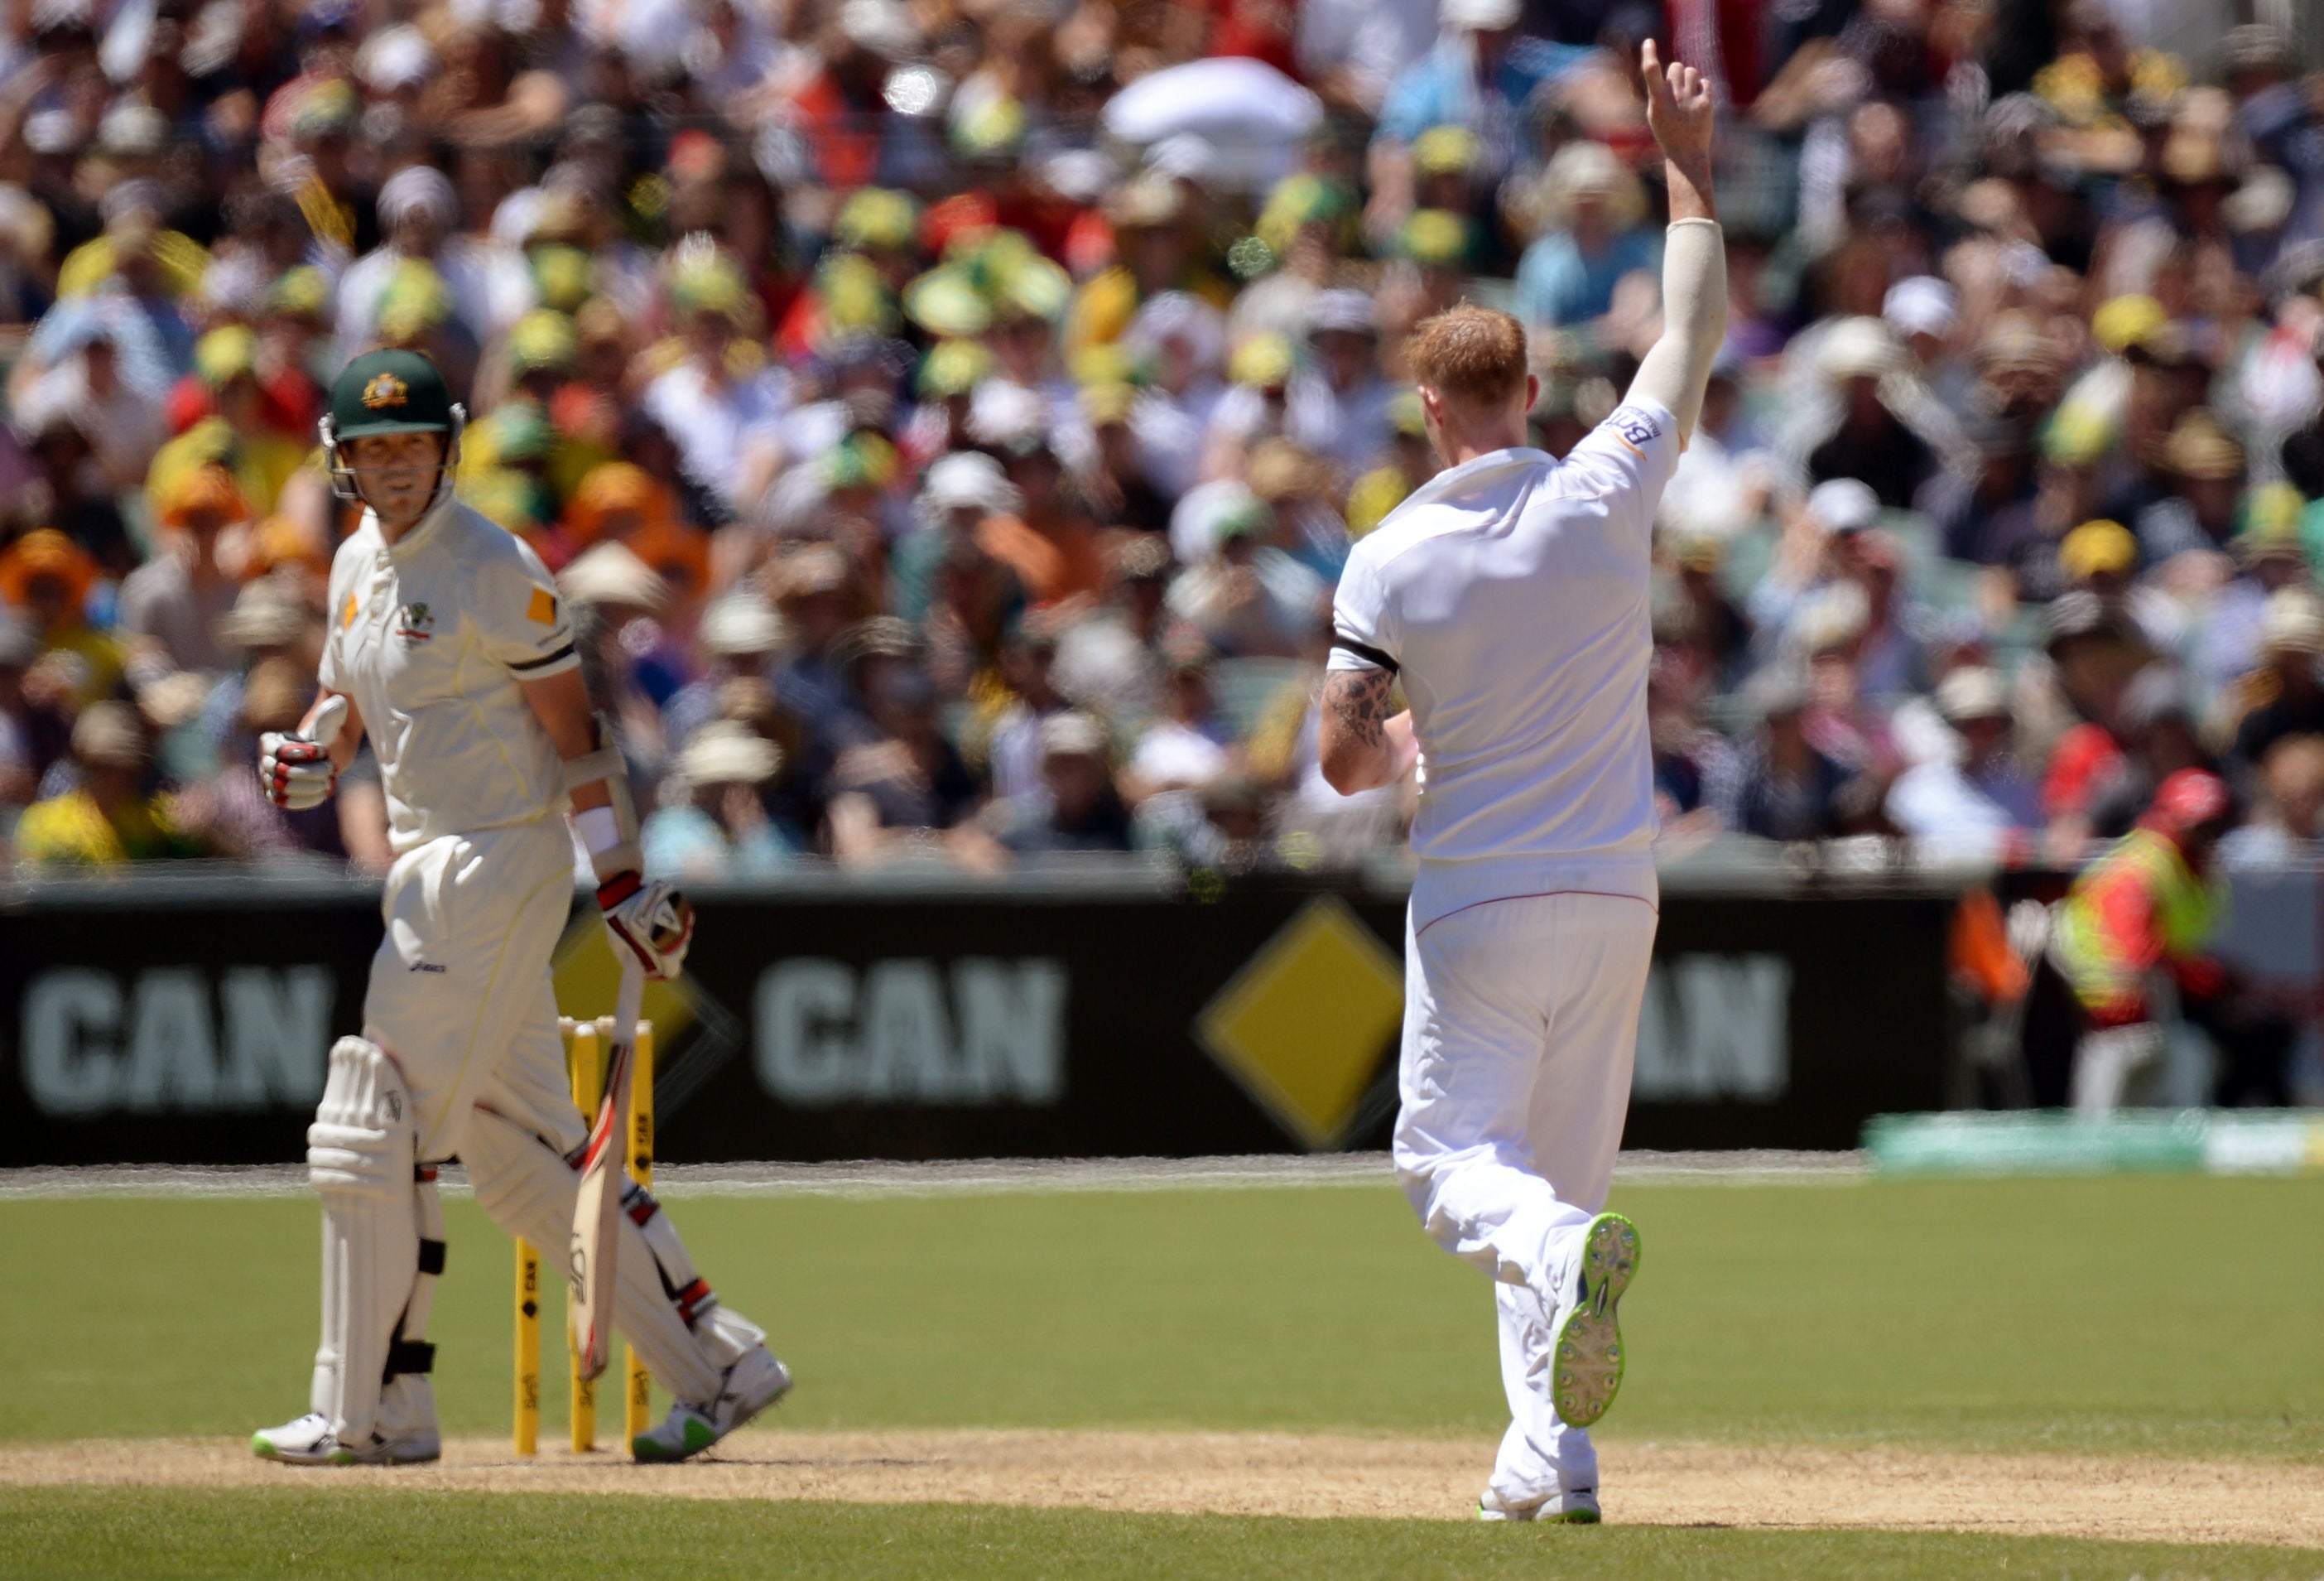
{"x": 2292, "y": 621}
{"x": 1177, "y": 314}
{"x": 1973, "y": 691}
{"x": 612, "y": 573}
{"x": 1843, "y": 504}
{"x": 395, "y": 58}
{"x": 1922, "y": 305}
{"x": 133, "y": 128}
{"x": 1477, "y": 15}
{"x": 722, "y": 752}
{"x": 1072, "y": 734}
{"x": 418, "y": 189}
{"x": 1004, "y": 412}
{"x": 1861, "y": 347}
{"x": 883, "y": 27}
{"x": 1342, "y": 310}
{"x": 969, "y": 479}
{"x": 1185, "y": 155}
{"x": 740, "y": 622}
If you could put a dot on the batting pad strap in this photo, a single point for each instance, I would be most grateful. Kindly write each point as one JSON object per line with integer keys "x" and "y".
{"x": 431, "y": 1257}
{"x": 408, "y": 1355}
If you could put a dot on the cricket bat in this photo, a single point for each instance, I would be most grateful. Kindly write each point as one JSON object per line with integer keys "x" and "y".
{"x": 597, "y": 1215}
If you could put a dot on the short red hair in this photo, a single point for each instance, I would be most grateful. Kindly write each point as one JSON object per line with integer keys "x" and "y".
{"x": 1472, "y": 356}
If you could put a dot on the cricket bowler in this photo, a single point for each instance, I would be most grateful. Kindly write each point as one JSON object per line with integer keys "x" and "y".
{"x": 449, "y": 646}
{"x": 1508, "y": 595}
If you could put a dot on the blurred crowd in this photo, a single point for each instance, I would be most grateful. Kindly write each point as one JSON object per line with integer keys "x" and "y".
{"x": 952, "y": 415}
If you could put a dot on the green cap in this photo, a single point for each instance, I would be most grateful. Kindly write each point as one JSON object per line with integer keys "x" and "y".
{"x": 389, "y": 393}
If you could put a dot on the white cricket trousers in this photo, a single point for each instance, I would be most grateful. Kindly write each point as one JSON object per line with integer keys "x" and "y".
{"x": 460, "y": 996}
{"x": 1520, "y": 1025}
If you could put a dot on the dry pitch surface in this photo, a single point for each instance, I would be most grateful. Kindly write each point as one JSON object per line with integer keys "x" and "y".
{"x": 1804, "y": 1366}
{"x": 1260, "y": 1474}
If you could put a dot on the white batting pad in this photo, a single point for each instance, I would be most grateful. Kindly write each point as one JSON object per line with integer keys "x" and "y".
{"x": 359, "y": 1156}
{"x": 407, "y": 1406}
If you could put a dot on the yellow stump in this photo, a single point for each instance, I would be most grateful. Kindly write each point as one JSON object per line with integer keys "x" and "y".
{"x": 581, "y": 1055}
{"x": 527, "y": 1349}
{"x": 638, "y": 1415}
{"x": 585, "y": 1042}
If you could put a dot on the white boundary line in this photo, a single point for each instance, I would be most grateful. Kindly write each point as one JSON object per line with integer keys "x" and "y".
{"x": 963, "y": 1178}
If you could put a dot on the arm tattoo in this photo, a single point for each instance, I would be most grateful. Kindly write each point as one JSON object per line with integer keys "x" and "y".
{"x": 1358, "y": 699}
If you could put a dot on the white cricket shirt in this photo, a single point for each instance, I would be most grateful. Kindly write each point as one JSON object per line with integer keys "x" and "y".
{"x": 430, "y": 637}
{"x": 1510, "y": 595}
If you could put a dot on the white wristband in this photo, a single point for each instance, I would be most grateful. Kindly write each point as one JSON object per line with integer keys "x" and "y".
{"x": 599, "y": 829}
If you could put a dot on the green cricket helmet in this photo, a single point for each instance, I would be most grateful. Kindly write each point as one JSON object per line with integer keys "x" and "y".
{"x": 390, "y": 391}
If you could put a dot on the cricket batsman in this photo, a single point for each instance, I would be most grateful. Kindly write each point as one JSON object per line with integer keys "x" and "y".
{"x": 1508, "y": 597}
{"x": 450, "y": 645}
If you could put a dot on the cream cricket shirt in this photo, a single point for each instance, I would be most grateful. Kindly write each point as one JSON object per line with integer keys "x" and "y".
{"x": 430, "y": 637}
{"x": 1510, "y": 595}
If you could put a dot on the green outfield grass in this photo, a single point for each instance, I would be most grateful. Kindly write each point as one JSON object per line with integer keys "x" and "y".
{"x": 2007, "y": 1315}
{"x": 92, "y": 1532}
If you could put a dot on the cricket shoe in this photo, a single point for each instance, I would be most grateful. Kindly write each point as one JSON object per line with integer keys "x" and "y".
{"x": 750, "y": 1385}
{"x": 309, "y": 1442}
{"x": 1570, "y": 1507}
{"x": 1585, "y": 1341}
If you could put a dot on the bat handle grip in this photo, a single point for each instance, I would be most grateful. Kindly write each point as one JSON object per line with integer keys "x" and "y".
{"x": 329, "y": 720}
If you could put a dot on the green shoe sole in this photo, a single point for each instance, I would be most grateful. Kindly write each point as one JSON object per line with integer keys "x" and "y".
{"x": 698, "y": 1438}
{"x": 1587, "y": 1360}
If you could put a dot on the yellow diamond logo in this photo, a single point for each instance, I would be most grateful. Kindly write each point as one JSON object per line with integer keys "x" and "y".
{"x": 588, "y": 978}
{"x": 1303, "y": 1025}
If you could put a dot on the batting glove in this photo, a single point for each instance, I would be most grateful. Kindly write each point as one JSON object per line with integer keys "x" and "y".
{"x": 295, "y": 773}
{"x": 651, "y": 918}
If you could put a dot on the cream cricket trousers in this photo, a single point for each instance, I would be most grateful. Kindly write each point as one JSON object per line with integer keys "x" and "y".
{"x": 1520, "y": 1025}
{"x": 460, "y": 995}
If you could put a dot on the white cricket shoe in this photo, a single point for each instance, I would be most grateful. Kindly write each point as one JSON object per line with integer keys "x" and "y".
{"x": 1571, "y": 1506}
{"x": 309, "y": 1442}
{"x": 1586, "y": 1361}
{"x": 750, "y": 1385}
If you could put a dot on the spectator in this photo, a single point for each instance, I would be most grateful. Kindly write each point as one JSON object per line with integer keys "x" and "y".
{"x": 2206, "y": 471}
{"x": 1076, "y": 806}
{"x": 776, "y": 333}
{"x": 1972, "y": 799}
{"x": 174, "y": 602}
{"x": 1875, "y": 424}
{"x": 107, "y": 818}
{"x": 2285, "y": 697}
{"x": 1248, "y": 597}
{"x": 904, "y": 786}
{"x": 2290, "y": 818}
{"x": 1787, "y": 789}
{"x": 1589, "y": 235}
{"x": 711, "y": 825}
{"x": 25, "y": 754}
{"x": 49, "y": 578}
{"x": 1188, "y": 746}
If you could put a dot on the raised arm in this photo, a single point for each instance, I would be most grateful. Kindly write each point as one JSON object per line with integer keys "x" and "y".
{"x": 1678, "y": 369}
